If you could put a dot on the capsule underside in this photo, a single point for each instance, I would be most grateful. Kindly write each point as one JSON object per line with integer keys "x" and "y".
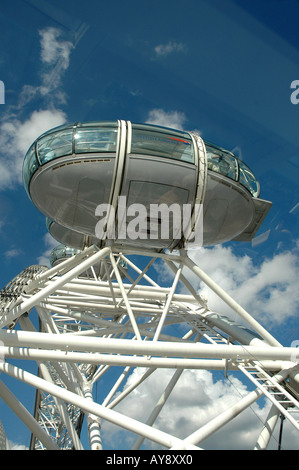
{"x": 71, "y": 173}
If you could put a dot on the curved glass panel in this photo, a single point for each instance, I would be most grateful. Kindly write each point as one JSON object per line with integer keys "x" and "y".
{"x": 30, "y": 165}
{"x": 225, "y": 163}
{"x": 152, "y": 140}
{"x": 222, "y": 162}
{"x": 48, "y": 222}
{"x": 62, "y": 251}
{"x": 95, "y": 139}
{"x": 54, "y": 145}
{"x": 247, "y": 179}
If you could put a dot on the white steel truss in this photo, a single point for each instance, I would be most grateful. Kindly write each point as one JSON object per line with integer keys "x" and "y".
{"x": 92, "y": 327}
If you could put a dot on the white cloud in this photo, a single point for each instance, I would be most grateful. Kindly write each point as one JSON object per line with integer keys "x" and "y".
{"x": 174, "y": 119}
{"x": 13, "y": 253}
{"x": 198, "y": 397}
{"x": 55, "y": 54}
{"x": 16, "y": 135}
{"x": 267, "y": 290}
{"x": 15, "y": 139}
{"x": 53, "y": 49}
{"x": 169, "y": 48}
{"x": 50, "y": 243}
{"x": 55, "y": 59}
{"x": 14, "y": 446}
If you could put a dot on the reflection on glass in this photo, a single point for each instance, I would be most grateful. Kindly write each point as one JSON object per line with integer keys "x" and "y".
{"x": 30, "y": 164}
{"x": 247, "y": 179}
{"x": 225, "y": 163}
{"x": 222, "y": 163}
{"x": 161, "y": 143}
{"x": 54, "y": 145}
{"x": 95, "y": 140}
{"x": 62, "y": 252}
{"x": 64, "y": 140}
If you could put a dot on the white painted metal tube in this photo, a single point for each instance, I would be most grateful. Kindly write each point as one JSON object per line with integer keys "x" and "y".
{"x": 139, "y": 292}
{"x": 124, "y": 346}
{"x": 116, "y": 386}
{"x": 141, "y": 273}
{"x": 231, "y": 302}
{"x": 187, "y": 284}
{"x": 18, "y": 408}
{"x": 125, "y": 422}
{"x": 159, "y": 405}
{"x": 52, "y": 287}
{"x": 267, "y": 431}
{"x": 226, "y": 416}
{"x": 62, "y": 410}
{"x": 125, "y": 298}
{"x": 238, "y": 332}
{"x": 126, "y": 360}
{"x": 66, "y": 264}
{"x": 122, "y": 395}
{"x": 112, "y": 360}
{"x": 93, "y": 424}
{"x": 212, "y": 426}
{"x": 167, "y": 305}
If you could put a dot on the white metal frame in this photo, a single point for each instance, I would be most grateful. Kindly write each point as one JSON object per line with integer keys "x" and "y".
{"x": 88, "y": 327}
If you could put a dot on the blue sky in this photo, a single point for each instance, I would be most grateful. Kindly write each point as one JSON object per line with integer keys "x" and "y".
{"x": 224, "y": 68}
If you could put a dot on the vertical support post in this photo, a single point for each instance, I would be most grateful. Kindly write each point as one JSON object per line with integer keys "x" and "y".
{"x": 117, "y": 384}
{"x": 266, "y": 433}
{"x": 123, "y": 292}
{"x": 167, "y": 305}
{"x": 93, "y": 423}
{"x": 62, "y": 410}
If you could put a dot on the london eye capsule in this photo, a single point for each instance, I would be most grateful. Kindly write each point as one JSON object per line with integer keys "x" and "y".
{"x": 119, "y": 181}
{"x": 60, "y": 253}
{"x": 68, "y": 237}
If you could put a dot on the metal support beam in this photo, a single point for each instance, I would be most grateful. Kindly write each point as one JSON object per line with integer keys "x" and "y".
{"x": 159, "y": 405}
{"x": 268, "y": 428}
{"x": 93, "y": 422}
{"x": 124, "y": 346}
{"x": 231, "y": 302}
{"x": 27, "y": 304}
{"x": 18, "y": 408}
{"x": 125, "y": 422}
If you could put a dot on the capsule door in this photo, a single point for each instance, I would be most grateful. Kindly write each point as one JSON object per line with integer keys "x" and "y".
{"x": 158, "y": 187}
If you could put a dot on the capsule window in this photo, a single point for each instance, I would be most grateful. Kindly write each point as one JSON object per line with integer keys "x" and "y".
{"x": 89, "y": 140}
{"x": 54, "y": 145}
{"x": 222, "y": 163}
{"x": 227, "y": 164}
{"x": 248, "y": 179}
{"x": 30, "y": 165}
{"x": 150, "y": 141}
